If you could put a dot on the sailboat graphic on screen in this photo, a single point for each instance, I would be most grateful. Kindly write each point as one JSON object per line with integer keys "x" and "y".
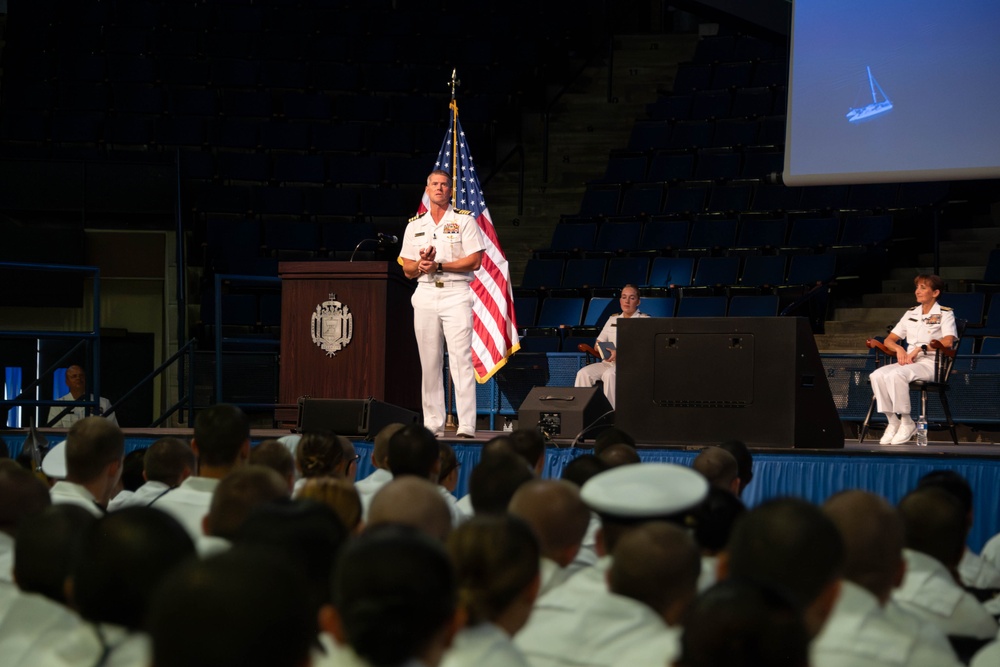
{"x": 858, "y": 114}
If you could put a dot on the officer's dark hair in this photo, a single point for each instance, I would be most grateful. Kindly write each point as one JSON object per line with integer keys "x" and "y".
{"x": 166, "y": 460}
{"x": 493, "y": 482}
{"x": 715, "y": 518}
{"x": 953, "y": 483}
{"x": 582, "y": 468}
{"x": 529, "y": 444}
{"x": 245, "y": 607}
{"x": 744, "y": 461}
{"x": 219, "y": 433}
{"x": 132, "y": 468}
{"x": 47, "y": 547}
{"x": 91, "y": 444}
{"x": 413, "y": 451}
{"x": 934, "y": 523}
{"x": 123, "y": 558}
{"x": 394, "y": 589}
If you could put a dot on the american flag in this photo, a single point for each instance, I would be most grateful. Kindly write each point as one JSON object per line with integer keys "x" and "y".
{"x": 494, "y": 329}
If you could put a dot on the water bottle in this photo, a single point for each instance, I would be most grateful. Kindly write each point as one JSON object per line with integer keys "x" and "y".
{"x": 922, "y": 431}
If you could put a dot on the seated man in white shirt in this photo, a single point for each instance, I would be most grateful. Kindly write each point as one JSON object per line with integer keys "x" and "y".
{"x": 863, "y": 630}
{"x": 368, "y": 486}
{"x": 934, "y": 523}
{"x": 76, "y": 380}
{"x": 236, "y": 496}
{"x": 559, "y": 518}
{"x": 221, "y": 444}
{"x": 94, "y": 453}
{"x": 22, "y": 495}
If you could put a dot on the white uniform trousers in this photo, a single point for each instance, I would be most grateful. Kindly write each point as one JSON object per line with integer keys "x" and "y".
{"x": 891, "y": 383}
{"x": 603, "y": 371}
{"x": 444, "y": 314}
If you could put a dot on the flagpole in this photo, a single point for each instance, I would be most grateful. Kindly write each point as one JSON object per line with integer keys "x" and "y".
{"x": 454, "y": 137}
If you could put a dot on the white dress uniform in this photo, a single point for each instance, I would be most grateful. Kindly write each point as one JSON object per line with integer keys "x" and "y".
{"x": 189, "y": 503}
{"x": 29, "y": 624}
{"x": 991, "y": 551}
{"x": 442, "y": 312}
{"x": 928, "y": 591}
{"x": 891, "y": 383}
{"x": 141, "y": 497}
{"x": 74, "y": 494}
{"x": 858, "y": 633}
{"x": 483, "y": 644}
{"x": 604, "y": 370}
{"x": 369, "y": 486}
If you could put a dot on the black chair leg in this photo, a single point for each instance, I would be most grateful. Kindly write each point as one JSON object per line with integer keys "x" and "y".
{"x": 864, "y": 425}
{"x": 947, "y": 414}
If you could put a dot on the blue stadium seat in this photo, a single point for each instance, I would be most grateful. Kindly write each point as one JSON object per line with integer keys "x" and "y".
{"x": 702, "y": 306}
{"x": 811, "y": 269}
{"x": 671, "y": 271}
{"x": 599, "y": 308}
{"x": 968, "y": 306}
{"x": 663, "y": 234}
{"x": 559, "y": 311}
{"x": 573, "y": 237}
{"x": 525, "y": 310}
{"x": 671, "y": 166}
{"x": 626, "y": 271}
{"x": 584, "y": 273}
{"x": 658, "y": 306}
{"x": 716, "y": 272}
{"x": 765, "y": 305}
{"x": 814, "y": 233}
{"x": 710, "y": 233}
{"x": 618, "y": 236}
{"x": 762, "y": 233}
{"x": 542, "y": 273}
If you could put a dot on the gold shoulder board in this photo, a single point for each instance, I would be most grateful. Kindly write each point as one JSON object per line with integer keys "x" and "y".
{"x": 462, "y": 211}
{"x": 945, "y": 308}
{"x": 416, "y": 217}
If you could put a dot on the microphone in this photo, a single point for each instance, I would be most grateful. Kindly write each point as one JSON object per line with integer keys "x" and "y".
{"x": 391, "y": 238}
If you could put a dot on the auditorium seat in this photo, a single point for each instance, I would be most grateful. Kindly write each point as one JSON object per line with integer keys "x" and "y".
{"x": 814, "y": 233}
{"x": 623, "y": 271}
{"x": 573, "y": 237}
{"x": 716, "y": 272}
{"x": 662, "y": 235}
{"x": 742, "y": 305}
{"x": 763, "y": 271}
{"x": 539, "y": 273}
{"x": 658, "y": 306}
{"x": 561, "y": 311}
{"x": 702, "y": 306}
{"x": 616, "y": 237}
{"x": 584, "y": 273}
{"x": 671, "y": 271}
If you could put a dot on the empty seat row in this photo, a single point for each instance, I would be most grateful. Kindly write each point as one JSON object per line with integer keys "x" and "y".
{"x": 681, "y": 165}
{"x": 736, "y": 48}
{"x": 724, "y": 233}
{"x": 651, "y": 135}
{"x": 718, "y": 104}
{"x": 696, "y": 76}
{"x": 591, "y": 314}
{"x": 754, "y": 271}
{"x": 309, "y": 201}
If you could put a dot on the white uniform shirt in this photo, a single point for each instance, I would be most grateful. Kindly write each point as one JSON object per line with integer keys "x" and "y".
{"x": 78, "y": 413}
{"x": 919, "y": 329}
{"x": 455, "y": 236}
{"x": 141, "y": 497}
{"x": 189, "y": 503}
{"x": 929, "y": 592}
{"x": 609, "y": 333}
{"x": 29, "y": 624}
{"x": 369, "y": 486}
{"x": 6, "y": 558}
{"x": 991, "y": 551}
{"x": 859, "y": 634}
{"x": 977, "y": 572}
{"x": 74, "y": 494}
{"x": 84, "y": 645}
{"x": 483, "y": 645}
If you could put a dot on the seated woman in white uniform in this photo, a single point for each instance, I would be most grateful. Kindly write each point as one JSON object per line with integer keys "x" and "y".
{"x": 926, "y": 321}
{"x": 605, "y": 370}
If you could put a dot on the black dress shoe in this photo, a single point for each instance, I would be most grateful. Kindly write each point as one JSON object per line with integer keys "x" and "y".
{"x": 465, "y": 435}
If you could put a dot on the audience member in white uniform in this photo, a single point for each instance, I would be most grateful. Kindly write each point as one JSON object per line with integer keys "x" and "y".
{"x": 22, "y": 495}
{"x": 657, "y": 564}
{"x": 368, "y": 486}
{"x": 494, "y": 481}
{"x": 66, "y": 416}
{"x": 324, "y": 455}
{"x": 934, "y": 522}
{"x": 221, "y": 444}
{"x": 791, "y": 545}
{"x": 719, "y": 467}
{"x": 714, "y": 521}
{"x": 975, "y": 571}
{"x": 340, "y": 496}
{"x": 496, "y": 565}
{"x": 245, "y": 607}
{"x": 236, "y": 496}
{"x": 123, "y": 559}
{"x": 559, "y": 518}
{"x": 166, "y": 464}
{"x": 739, "y": 623}
{"x": 94, "y": 452}
{"x": 276, "y": 456}
{"x": 393, "y": 600}
{"x": 581, "y": 622}
{"x": 860, "y": 632}
{"x": 988, "y": 656}
{"x": 411, "y": 501}
{"x": 527, "y": 444}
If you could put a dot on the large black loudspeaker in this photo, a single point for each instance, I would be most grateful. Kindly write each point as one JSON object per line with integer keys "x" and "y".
{"x": 564, "y": 412}
{"x": 707, "y": 380}
{"x": 351, "y": 416}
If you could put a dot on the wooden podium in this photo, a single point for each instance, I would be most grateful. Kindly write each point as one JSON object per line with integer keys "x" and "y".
{"x": 325, "y": 303}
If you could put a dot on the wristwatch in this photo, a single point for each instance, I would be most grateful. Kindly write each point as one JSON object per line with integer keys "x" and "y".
{"x": 440, "y": 268}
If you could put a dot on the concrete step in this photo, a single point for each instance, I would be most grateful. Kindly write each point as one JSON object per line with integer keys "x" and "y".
{"x": 986, "y": 235}
{"x": 972, "y": 256}
{"x": 860, "y": 329}
{"x": 840, "y": 344}
{"x": 879, "y": 315}
{"x": 901, "y": 300}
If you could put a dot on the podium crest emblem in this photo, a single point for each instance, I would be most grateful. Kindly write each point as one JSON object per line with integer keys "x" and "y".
{"x": 332, "y": 326}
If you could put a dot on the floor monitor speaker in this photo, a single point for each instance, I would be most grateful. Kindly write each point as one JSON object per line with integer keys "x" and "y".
{"x": 351, "y": 416}
{"x": 565, "y": 412}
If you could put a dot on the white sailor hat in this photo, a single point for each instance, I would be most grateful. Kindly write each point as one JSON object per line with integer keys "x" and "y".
{"x": 54, "y": 463}
{"x": 644, "y": 491}
{"x": 290, "y": 441}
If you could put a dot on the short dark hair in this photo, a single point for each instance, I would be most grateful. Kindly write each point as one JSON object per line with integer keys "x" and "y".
{"x": 394, "y": 588}
{"x": 715, "y": 518}
{"x": 132, "y": 468}
{"x": 22, "y": 495}
{"x": 239, "y": 493}
{"x": 242, "y": 608}
{"x": 933, "y": 281}
{"x": 953, "y": 483}
{"x": 123, "y": 558}
{"x": 47, "y": 548}
{"x": 493, "y": 482}
{"x": 413, "y": 450}
{"x": 91, "y": 444}
{"x": 529, "y": 444}
{"x": 744, "y": 461}
{"x": 612, "y": 436}
{"x": 744, "y": 623}
{"x": 166, "y": 460}
{"x": 787, "y": 543}
{"x": 582, "y": 468}
{"x": 934, "y": 523}
{"x": 219, "y": 433}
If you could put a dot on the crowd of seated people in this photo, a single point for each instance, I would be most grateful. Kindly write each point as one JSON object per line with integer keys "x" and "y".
{"x": 221, "y": 558}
